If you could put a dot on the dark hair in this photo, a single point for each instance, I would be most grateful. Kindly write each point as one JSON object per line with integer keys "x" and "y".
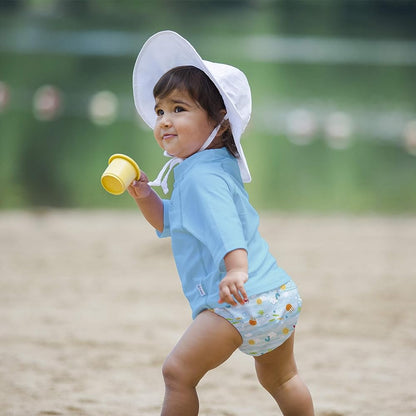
{"x": 201, "y": 89}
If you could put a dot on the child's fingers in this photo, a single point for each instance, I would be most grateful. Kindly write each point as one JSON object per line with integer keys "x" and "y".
{"x": 233, "y": 294}
{"x": 238, "y": 296}
{"x": 243, "y": 294}
{"x": 139, "y": 188}
{"x": 239, "y": 293}
{"x": 226, "y": 296}
{"x": 143, "y": 177}
{"x": 133, "y": 188}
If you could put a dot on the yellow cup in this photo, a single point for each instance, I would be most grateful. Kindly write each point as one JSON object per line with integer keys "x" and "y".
{"x": 120, "y": 173}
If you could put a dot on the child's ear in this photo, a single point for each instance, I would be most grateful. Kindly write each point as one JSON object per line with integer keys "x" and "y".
{"x": 225, "y": 125}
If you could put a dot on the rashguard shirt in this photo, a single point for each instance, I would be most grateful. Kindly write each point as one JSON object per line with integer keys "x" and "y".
{"x": 207, "y": 216}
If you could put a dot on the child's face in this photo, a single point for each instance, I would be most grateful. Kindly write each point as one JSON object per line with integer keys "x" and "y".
{"x": 182, "y": 126}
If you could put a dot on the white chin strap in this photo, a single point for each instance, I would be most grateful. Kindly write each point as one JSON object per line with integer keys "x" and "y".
{"x": 162, "y": 178}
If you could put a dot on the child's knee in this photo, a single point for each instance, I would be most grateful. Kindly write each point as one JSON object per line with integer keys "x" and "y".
{"x": 175, "y": 373}
{"x": 170, "y": 370}
{"x": 275, "y": 382}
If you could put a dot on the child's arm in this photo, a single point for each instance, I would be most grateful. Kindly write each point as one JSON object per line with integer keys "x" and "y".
{"x": 232, "y": 286}
{"x": 148, "y": 201}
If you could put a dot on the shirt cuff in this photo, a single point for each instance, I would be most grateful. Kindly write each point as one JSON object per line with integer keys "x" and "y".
{"x": 166, "y": 223}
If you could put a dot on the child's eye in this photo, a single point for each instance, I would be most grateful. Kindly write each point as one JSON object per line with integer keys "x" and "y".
{"x": 159, "y": 112}
{"x": 179, "y": 109}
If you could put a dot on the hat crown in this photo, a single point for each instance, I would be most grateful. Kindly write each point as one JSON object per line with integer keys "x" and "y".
{"x": 235, "y": 91}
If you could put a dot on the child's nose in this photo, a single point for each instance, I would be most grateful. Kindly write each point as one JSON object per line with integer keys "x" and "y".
{"x": 165, "y": 120}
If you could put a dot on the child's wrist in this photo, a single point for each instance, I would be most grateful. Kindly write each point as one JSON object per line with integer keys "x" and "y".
{"x": 143, "y": 193}
{"x": 143, "y": 196}
{"x": 238, "y": 269}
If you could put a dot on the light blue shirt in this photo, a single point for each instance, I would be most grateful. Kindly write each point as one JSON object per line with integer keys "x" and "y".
{"x": 208, "y": 216}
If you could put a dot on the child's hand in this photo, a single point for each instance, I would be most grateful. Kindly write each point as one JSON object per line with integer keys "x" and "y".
{"x": 140, "y": 189}
{"x": 232, "y": 288}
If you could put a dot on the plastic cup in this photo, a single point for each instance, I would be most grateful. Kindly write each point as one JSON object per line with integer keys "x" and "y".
{"x": 120, "y": 173}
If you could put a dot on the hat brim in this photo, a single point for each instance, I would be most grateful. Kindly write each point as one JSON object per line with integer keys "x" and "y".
{"x": 166, "y": 50}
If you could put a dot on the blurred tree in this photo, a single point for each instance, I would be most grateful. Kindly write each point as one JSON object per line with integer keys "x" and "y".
{"x": 79, "y": 8}
{"x": 11, "y": 5}
{"x": 40, "y": 157}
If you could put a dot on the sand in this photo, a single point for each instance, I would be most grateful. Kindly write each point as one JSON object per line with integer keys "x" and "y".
{"x": 90, "y": 305}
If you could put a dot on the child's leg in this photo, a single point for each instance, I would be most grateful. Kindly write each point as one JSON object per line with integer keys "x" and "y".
{"x": 207, "y": 343}
{"x": 278, "y": 374}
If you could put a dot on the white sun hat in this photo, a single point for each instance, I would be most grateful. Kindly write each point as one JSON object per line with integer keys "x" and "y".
{"x": 166, "y": 50}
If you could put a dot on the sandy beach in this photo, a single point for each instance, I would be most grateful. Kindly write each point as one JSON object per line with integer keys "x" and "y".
{"x": 90, "y": 305}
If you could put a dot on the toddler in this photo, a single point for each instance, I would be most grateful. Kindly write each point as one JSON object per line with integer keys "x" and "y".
{"x": 239, "y": 296}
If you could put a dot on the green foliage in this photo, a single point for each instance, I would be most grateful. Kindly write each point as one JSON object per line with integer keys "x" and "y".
{"x": 364, "y": 178}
